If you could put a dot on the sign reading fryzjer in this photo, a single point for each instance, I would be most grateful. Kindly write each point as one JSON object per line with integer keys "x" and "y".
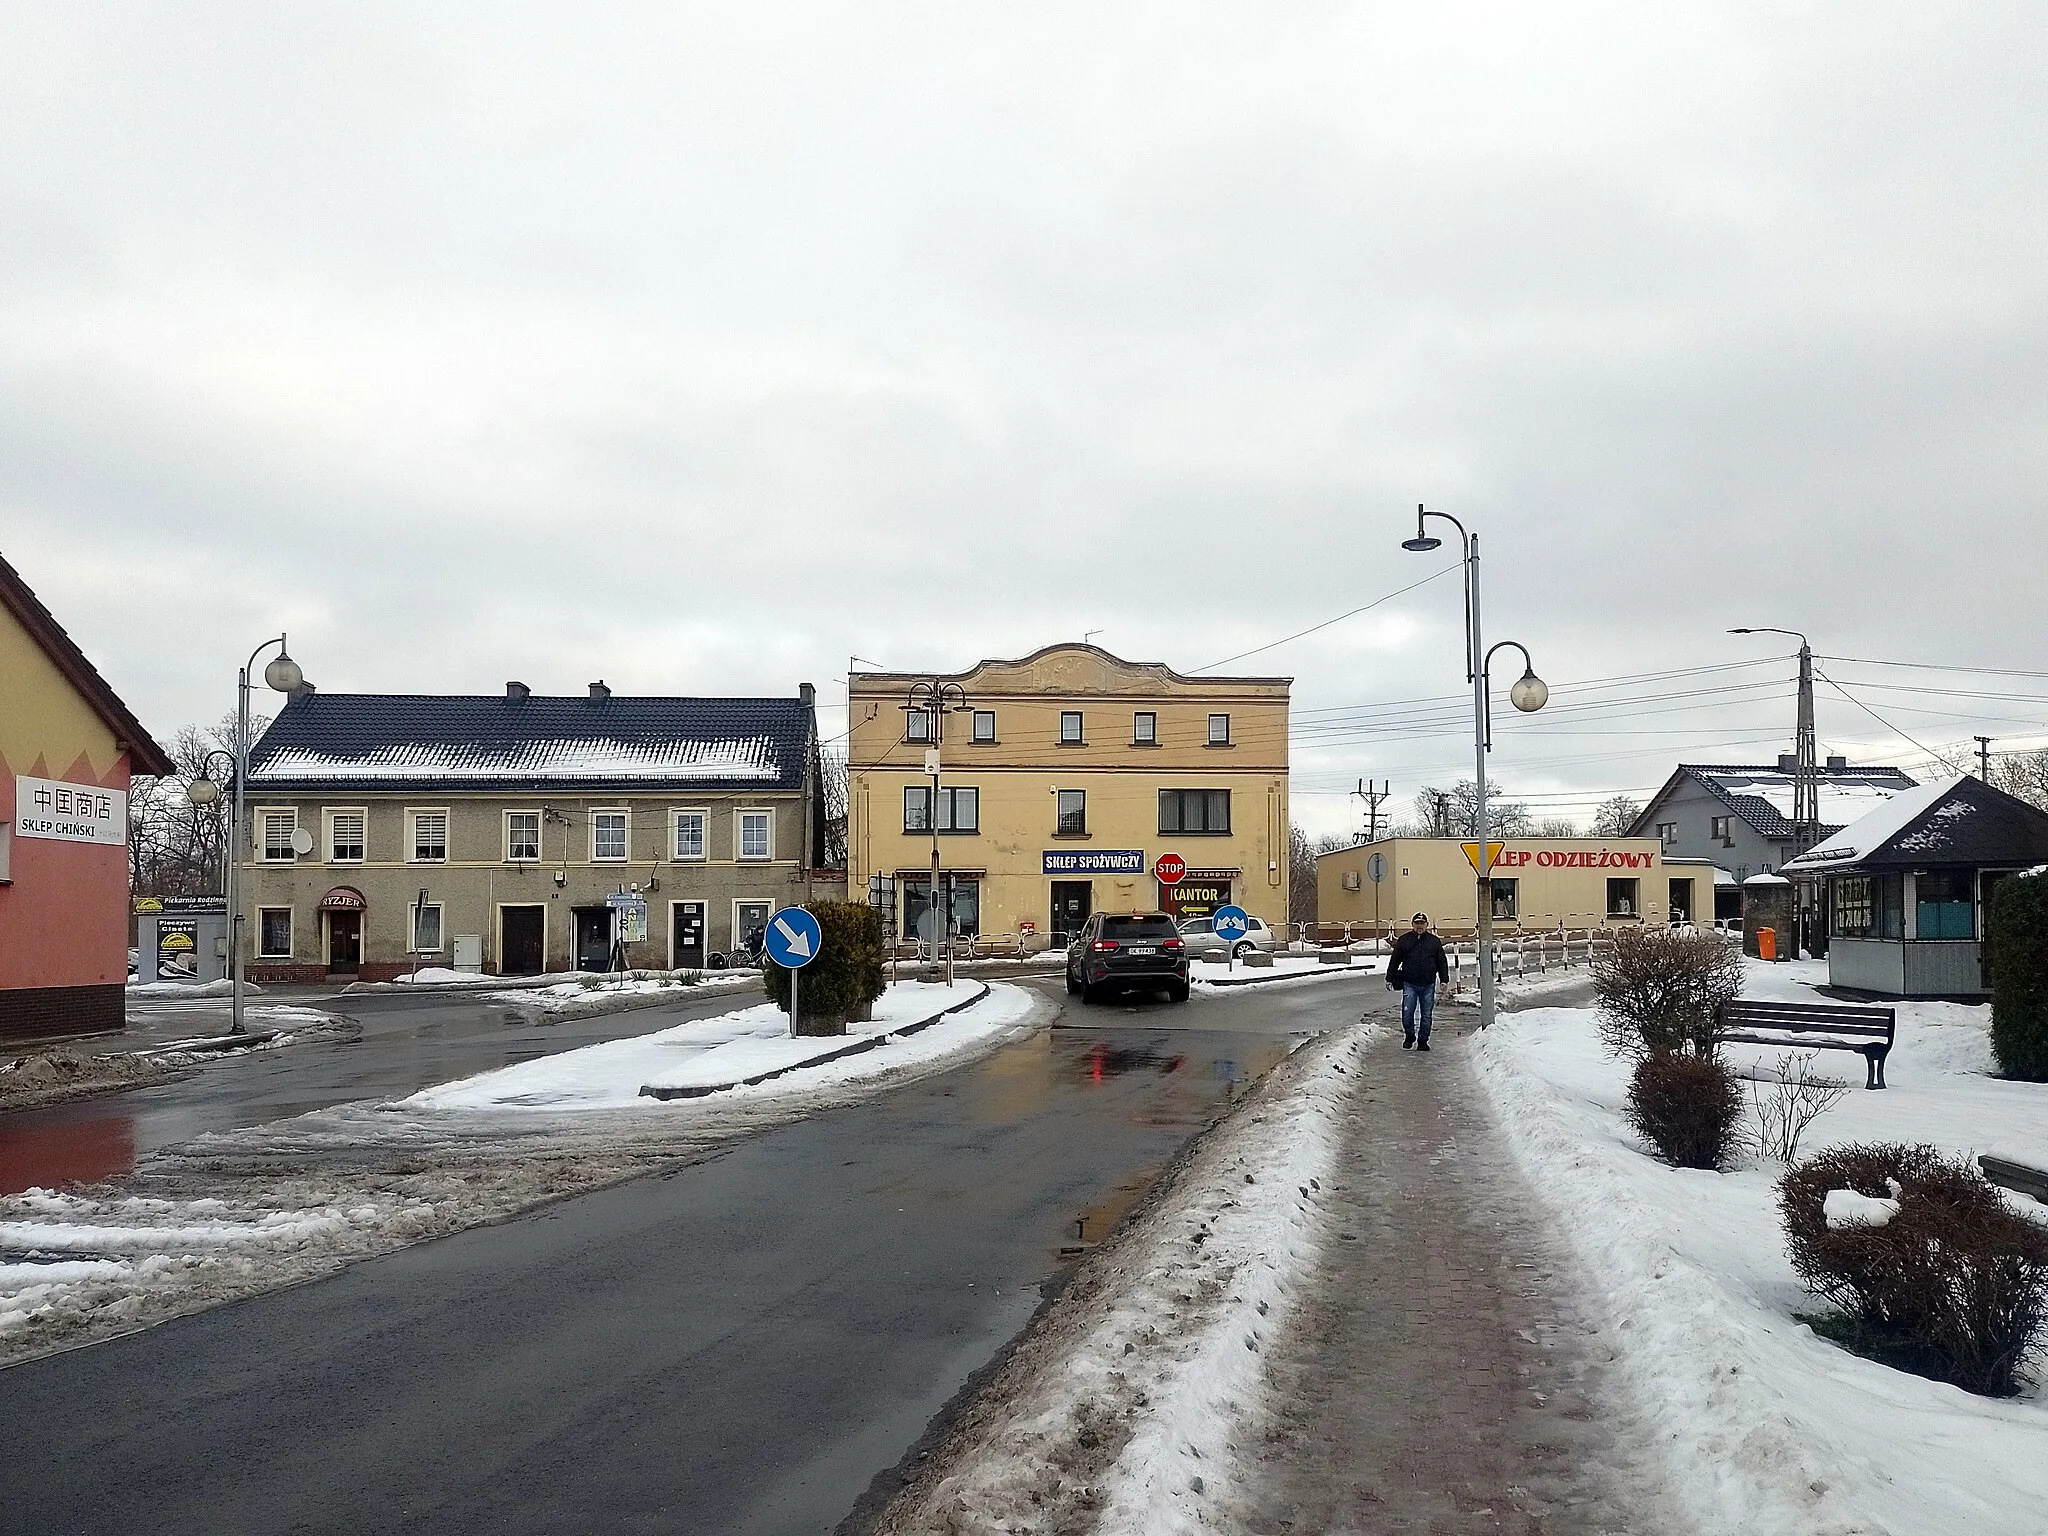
{"x": 1106, "y": 861}
{"x": 70, "y": 813}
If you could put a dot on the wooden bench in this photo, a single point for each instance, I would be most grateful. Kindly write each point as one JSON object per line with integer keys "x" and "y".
{"x": 1817, "y": 1027}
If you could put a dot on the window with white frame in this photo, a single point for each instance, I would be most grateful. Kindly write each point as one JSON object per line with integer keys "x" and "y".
{"x": 1145, "y": 728}
{"x": 984, "y": 725}
{"x": 429, "y": 841}
{"x": 959, "y": 808}
{"x": 917, "y": 725}
{"x": 756, "y": 838}
{"x": 277, "y": 828}
{"x": 274, "y": 932}
{"x": 689, "y": 838}
{"x": 608, "y": 836}
{"x": 1219, "y": 730}
{"x": 426, "y": 928}
{"x": 522, "y": 836}
{"x": 345, "y": 837}
{"x": 1070, "y": 727}
{"x": 1072, "y": 807}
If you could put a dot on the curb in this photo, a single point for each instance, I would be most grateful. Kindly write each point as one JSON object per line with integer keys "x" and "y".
{"x": 870, "y": 1043}
{"x": 1267, "y": 981}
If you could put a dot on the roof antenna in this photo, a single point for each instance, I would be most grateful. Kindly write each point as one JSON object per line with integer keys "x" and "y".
{"x": 1086, "y": 633}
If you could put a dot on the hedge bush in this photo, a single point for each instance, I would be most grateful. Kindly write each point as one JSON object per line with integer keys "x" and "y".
{"x": 2016, "y": 939}
{"x": 1955, "y": 1286}
{"x": 1661, "y": 989}
{"x": 843, "y": 982}
{"x": 1687, "y": 1107}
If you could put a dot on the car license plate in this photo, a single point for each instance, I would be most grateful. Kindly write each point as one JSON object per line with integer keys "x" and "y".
{"x": 1144, "y": 950}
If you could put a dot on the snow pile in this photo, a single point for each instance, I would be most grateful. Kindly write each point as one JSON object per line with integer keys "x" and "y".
{"x": 1770, "y": 1430}
{"x": 1847, "y": 1208}
{"x": 225, "y": 987}
{"x": 1215, "y": 975}
{"x": 1122, "y": 1403}
{"x": 717, "y": 1052}
{"x": 605, "y": 994}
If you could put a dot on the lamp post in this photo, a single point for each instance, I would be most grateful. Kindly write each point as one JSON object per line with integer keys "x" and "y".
{"x": 1805, "y": 773}
{"x": 935, "y": 699}
{"x": 283, "y": 675}
{"x": 1529, "y": 694}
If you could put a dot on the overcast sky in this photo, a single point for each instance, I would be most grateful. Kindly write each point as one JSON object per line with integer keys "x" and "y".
{"x": 699, "y": 348}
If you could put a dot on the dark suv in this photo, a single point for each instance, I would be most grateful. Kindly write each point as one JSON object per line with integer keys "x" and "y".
{"x": 1128, "y": 950}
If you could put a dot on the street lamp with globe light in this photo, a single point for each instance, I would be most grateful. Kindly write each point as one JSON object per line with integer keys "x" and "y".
{"x": 1529, "y": 694}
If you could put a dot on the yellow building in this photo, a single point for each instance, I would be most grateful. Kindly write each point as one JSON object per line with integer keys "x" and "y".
{"x": 1063, "y": 777}
{"x": 1538, "y": 882}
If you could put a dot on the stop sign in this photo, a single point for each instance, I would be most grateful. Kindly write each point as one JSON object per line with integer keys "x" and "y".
{"x": 1169, "y": 867}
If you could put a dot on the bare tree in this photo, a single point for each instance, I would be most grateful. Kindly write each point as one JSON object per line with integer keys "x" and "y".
{"x": 1303, "y": 902}
{"x": 1557, "y": 826}
{"x": 2023, "y": 775}
{"x": 1459, "y": 807}
{"x": 1616, "y": 816}
{"x": 176, "y": 848}
{"x": 832, "y": 790}
{"x": 1798, "y": 1096}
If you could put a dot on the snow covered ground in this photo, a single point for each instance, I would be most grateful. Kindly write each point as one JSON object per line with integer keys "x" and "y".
{"x": 1117, "y": 1414}
{"x": 182, "y": 991}
{"x": 1209, "y": 973}
{"x": 1769, "y": 1428}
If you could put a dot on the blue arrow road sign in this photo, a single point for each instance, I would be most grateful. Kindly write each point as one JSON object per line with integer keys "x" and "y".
{"x": 1230, "y": 922}
{"x": 793, "y": 938}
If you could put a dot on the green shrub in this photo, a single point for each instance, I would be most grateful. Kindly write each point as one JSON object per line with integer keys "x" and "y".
{"x": 844, "y": 980}
{"x": 1686, "y": 1107}
{"x": 1954, "y": 1286}
{"x": 1661, "y": 989}
{"x": 2016, "y": 939}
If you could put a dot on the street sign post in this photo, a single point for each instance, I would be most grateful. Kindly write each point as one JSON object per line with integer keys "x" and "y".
{"x": 1169, "y": 868}
{"x": 1376, "y": 868}
{"x": 793, "y": 940}
{"x": 1230, "y": 924}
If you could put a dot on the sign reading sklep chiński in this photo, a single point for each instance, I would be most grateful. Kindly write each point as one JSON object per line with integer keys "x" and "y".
{"x": 70, "y": 813}
{"x": 1105, "y": 861}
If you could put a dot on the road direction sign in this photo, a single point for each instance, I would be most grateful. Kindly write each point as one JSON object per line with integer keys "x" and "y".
{"x": 793, "y": 938}
{"x": 1376, "y": 868}
{"x": 1168, "y": 868}
{"x": 1230, "y": 923}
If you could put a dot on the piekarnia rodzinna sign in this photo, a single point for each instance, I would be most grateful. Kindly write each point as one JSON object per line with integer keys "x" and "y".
{"x": 70, "y": 813}
{"x": 1106, "y": 861}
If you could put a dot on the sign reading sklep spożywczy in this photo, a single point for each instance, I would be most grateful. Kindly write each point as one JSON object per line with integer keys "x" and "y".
{"x": 1106, "y": 861}
{"x": 70, "y": 813}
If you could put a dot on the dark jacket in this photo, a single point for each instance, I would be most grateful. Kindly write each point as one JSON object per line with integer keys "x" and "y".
{"x": 1418, "y": 958}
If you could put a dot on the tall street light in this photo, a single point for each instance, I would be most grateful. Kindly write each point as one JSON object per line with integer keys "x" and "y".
{"x": 1805, "y": 773}
{"x": 283, "y": 675}
{"x": 1529, "y": 694}
{"x": 934, "y": 700}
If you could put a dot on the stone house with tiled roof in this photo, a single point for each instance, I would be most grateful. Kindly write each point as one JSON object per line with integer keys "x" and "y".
{"x": 503, "y": 833}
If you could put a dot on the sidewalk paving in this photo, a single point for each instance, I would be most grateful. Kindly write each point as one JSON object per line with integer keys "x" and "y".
{"x": 1442, "y": 1375}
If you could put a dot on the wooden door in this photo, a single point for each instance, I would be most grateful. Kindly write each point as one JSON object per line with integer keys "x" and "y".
{"x": 521, "y": 945}
{"x": 344, "y": 943}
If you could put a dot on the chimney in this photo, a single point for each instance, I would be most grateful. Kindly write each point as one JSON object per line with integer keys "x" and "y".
{"x": 807, "y": 693}
{"x": 1788, "y": 762}
{"x": 516, "y": 691}
{"x": 599, "y": 691}
{"x": 1838, "y": 765}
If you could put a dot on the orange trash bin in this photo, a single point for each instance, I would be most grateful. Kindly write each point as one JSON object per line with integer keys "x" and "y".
{"x": 1767, "y": 943}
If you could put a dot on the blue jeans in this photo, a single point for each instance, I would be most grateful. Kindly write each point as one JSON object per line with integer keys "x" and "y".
{"x": 1417, "y": 999}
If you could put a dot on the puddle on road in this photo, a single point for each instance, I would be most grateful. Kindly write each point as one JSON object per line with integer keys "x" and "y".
{"x": 1104, "y": 1060}
{"x": 66, "y": 1151}
{"x": 1097, "y": 1221}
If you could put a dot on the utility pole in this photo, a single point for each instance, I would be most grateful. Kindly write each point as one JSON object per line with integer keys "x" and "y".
{"x": 1372, "y": 794}
{"x": 1984, "y": 758}
{"x": 934, "y": 700}
{"x": 1443, "y": 815}
{"x": 1805, "y": 782}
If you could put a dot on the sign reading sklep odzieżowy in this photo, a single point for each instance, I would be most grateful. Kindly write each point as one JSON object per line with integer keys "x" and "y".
{"x": 70, "y": 813}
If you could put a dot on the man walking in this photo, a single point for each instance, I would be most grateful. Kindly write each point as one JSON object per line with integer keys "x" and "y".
{"x": 1418, "y": 964}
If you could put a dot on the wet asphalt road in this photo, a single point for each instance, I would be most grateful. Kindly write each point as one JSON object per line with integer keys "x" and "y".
{"x": 737, "y": 1347}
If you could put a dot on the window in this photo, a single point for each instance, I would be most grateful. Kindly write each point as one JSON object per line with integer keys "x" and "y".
{"x": 1073, "y": 813}
{"x": 426, "y": 928}
{"x": 961, "y": 900}
{"x": 345, "y": 837}
{"x": 1507, "y": 901}
{"x": 1145, "y": 729}
{"x": 1722, "y": 829}
{"x": 959, "y": 808}
{"x": 756, "y": 841}
{"x": 984, "y": 725}
{"x": 274, "y": 932}
{"x": 1621, "y": 899}
{"x": 1070, "y": 728}
{"x": 1194, "y": 810}
{"x": 429, "y": 837}
{"x": 748, "y": 919}
{"x": 917, "y": 725}
{"x": 1219, "y": 730}
{"x": 1868, "y": 907}
{"x": 689, "y": 841}
{"x": 278, "y": 827}
{"x": 1945, "y": 905}
{"x": 522, "y": 835}
{"x": 1667, "y": 833}
{"x": 608, "y": 835}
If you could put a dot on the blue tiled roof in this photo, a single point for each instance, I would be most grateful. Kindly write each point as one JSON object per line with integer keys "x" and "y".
{"x": 324, "y": 741}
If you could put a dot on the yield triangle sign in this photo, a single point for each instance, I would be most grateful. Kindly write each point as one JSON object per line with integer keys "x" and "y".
{"x": 1472, "y": 855}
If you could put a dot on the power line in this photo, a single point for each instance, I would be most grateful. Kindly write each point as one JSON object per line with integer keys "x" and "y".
{"x": 1354, "y": 613}
{"x": 1935, "y": 666}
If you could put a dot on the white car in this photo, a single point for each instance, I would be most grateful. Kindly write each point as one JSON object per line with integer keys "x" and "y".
{"x": 1200, "y": 934}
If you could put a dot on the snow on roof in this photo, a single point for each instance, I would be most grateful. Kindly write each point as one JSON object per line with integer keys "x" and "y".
{"x": 591, "y": 758}
{"x": 1872, "y": 831}
{"x": 1842, "y": 799}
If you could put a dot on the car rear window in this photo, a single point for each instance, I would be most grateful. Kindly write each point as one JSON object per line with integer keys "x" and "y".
{"x": 1126, "y": 928}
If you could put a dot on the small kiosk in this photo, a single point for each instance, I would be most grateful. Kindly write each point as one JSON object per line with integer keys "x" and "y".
{"x": 181, "y": 938}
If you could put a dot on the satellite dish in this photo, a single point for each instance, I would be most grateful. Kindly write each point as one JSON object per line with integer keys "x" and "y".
{"x": 302, "y": 841}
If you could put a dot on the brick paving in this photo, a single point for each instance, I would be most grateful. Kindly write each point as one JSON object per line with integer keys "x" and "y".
{"x": 1441, "y": 1376}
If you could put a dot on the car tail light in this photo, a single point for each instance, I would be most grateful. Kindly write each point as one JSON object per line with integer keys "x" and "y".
{"x": 1102, "y": 944}
{"x": 1172, "y": 944}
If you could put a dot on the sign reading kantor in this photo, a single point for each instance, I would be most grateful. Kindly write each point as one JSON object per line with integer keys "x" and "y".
{"x": 70, "y": 813}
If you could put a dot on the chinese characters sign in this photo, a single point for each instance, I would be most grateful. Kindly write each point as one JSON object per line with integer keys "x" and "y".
{"x": 70, "y": 813}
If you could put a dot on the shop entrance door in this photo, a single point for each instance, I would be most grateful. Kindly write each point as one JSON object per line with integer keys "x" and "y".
{"x": 520, "y": 944}
{"x": 686, "y": 951}
{"x": 1072, "y": 901}
{"x": 1681, "y": 901}
{"x": 593, "y": 938}
{"x": 344, "y": 943}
